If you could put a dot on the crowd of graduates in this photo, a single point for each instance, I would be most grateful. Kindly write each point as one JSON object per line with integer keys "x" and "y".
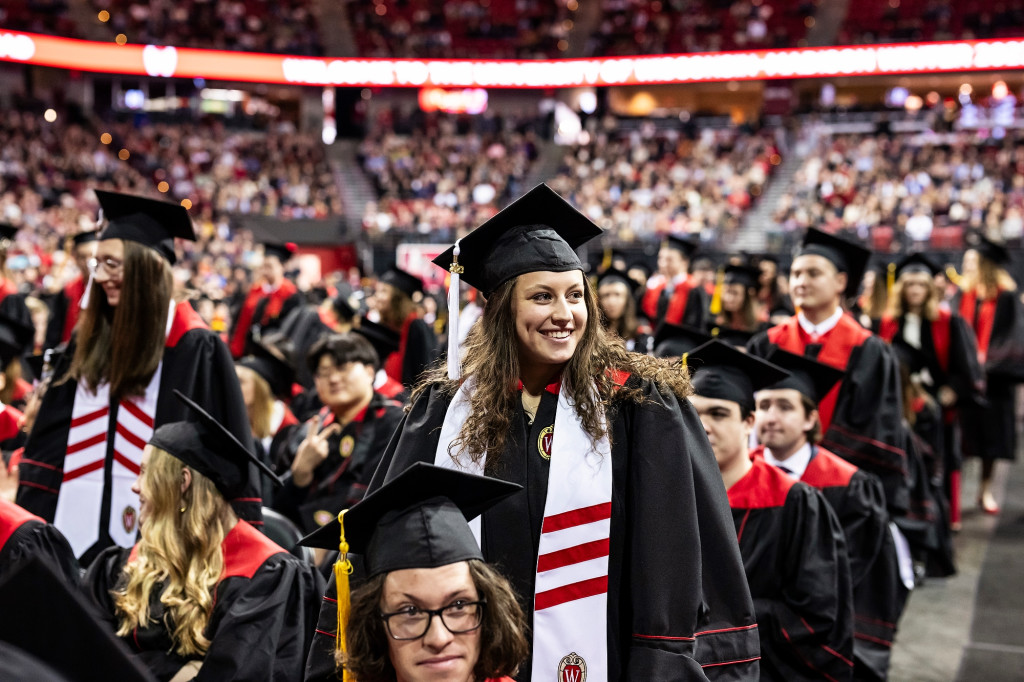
{"x": 721, "y": 470}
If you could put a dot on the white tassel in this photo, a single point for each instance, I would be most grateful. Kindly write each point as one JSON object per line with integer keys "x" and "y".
{"x": 454, "y": 361}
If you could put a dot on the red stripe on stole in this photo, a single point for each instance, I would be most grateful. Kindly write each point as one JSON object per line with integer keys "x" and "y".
{"x": 577, "y": 517}
{"x": 92, "y": 416}
{"x": 87, "y": 443}
{"x": 82, "y": 471}
{"x": 131, "y": 437}
{"x": 567, "y": 593}
{"x": 137, "y": 412}
{"x": 127, "y": 463}
{"x": 572, "y": 555}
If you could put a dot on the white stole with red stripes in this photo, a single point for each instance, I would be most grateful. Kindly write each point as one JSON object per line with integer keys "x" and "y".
{"x": 79, "y": 504}
{"x": 571, "y": 590}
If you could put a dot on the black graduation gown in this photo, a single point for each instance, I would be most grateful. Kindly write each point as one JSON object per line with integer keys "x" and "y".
{"x": 420, "y": 349}
{"x": 677, "y": 597}
{"x": 340, "y": 480}
{"x": 879, "y": 595}
{"x": 24, "y": 536}
{"x": 862, "y": 417}
{"x": 195, "y": 362}
{"x": 794, "y": 555}
{"x": 263, "y": 615}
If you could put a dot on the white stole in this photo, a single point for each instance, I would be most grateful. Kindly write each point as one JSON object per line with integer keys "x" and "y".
{"x": 79, "y": 504}
{"x": 571, "y": 589}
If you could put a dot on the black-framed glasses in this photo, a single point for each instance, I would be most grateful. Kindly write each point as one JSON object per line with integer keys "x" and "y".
{"x": 112, "y": 266}
{"x": 410, "y": 623}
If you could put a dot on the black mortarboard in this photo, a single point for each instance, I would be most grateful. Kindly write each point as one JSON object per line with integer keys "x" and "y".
{"x": 210, "y": 449}
{"x": 746, "y": 275}
{"x": 7, "y": 232}
{"x": 406, "y": 282}
{"x": 273, "y": 368}
{"x": 614, "y": 275}
{"x": 416, "y": 520}
{"x": 538, "y": 231}
{"x": 992, "y": 251}
{"x": 672, "y": 340}
{"x": 148, "y": 222}
{"x": 734, "y": 337}
{"x": 17, "y": 332}
{"x": 683, "y": 245}
{"x": 384, "y": 340}
{"x": 761, "y": 257}
{"x": 281, "y": 251}
{"x": 722, "y": 372}
{"x": 47, "y": 619}
{"x": 917, "y": 262}
{"x": 342, "y": 308}
{"x": 812, "y": 378}
{"x": 846, "y": 256}
{"x": 85, "y": 237}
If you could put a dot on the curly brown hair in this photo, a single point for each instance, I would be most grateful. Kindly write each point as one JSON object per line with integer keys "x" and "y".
{"x": 503, "y": 643}
{"x": 491, "y": 358}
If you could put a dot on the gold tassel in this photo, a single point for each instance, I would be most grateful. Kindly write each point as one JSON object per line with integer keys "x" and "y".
{"x": 890, "y": 279}
{"x": 342, "y": 570}
{"x": 716, "y": 298}
{"x": 683, "y": 360}
{"x": 606, "y": 258}
{"x": 953, "y": 275}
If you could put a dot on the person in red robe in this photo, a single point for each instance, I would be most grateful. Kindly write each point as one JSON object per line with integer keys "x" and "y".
{"x": 988, "y": 303}
{"x": 417, "y": 345}
{"x": 861, "y": 417}
{"x": 672, "y": 295}
{"x": 268, "y": 303}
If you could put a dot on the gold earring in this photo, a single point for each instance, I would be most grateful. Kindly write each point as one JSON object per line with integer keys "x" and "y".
{"x": 182, "y": 510}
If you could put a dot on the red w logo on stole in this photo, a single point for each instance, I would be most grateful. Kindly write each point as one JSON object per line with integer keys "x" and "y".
{"x": 572, "y": 668}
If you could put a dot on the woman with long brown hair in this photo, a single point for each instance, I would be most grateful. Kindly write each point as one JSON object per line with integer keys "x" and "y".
{"x": 945, "y": 343}
{"x": 417, "y": 346}
{"x": 203, "y": 595}
{"x": 133, "y": 345}
{"x": 620, "y": 544}
{"x": 616, "y": 294}
{"x": 735, "y": 310}
{"x": 987, "y": 301}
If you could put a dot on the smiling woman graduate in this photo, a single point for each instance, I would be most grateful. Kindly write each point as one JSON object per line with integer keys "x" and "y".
{"x": 620, "y": 542}
{"x": 133, "y": 345}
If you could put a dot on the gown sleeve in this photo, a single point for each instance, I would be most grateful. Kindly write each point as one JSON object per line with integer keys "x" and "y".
{"x": 690, "y": 612}
{"x": 966, "y": 375}
{"x": 1005, "y": 356}
{"x": 696, "y": 314}
{"x": 101, "y": 577}
{"x": 867, "y": 426}
{"x": 810, "y": 625}
{"x": 36, "y": 539}
{"x": 261, "y": 627}
{"x": 420, "y": 348}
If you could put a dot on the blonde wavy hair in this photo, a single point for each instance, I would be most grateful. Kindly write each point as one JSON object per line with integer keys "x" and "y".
{"x": 492, "y": 358}
{"x": 989, "y": 279}
{"x": 262, "y": 407}
{"x": 895, "y": 307}
{"x": 179, "y": 554}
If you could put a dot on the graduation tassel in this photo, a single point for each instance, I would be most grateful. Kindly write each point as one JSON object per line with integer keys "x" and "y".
{"x": 953, "y": 276}
{"x": 454, "y": 362}
{"x": 716, "y": 298}
{"x": 606, "y": 258}
{"x": 890, "y": 279}
{"x": 342, "y": 570}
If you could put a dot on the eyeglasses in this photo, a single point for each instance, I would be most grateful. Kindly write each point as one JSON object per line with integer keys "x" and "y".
{"x": 327, "y": 371}
{"x": 412, "y": 623}
{"x": 112, "y": 266}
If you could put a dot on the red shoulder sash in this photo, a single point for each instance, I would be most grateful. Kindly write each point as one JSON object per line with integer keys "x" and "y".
{"x": 244, "y": 321}
{"x": 13, "y": 517}
{"x": 763, "y": 487}
{"x": 828, "y": 471}
{"x": 245, "y": 550}
{"x": 185, "y": 320}
{"x": 677, "y": 304}
{"x": 940, "y": 337}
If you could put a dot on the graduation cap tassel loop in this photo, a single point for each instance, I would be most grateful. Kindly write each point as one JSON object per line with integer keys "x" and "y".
{"x": 342, "y": 570}
{"x": 716, "y": 299}
{"x": 454, "y": 363}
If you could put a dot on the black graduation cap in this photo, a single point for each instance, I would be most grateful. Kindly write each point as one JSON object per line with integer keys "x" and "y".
{"x": 734, "y": 337}
{"x": 48, "y": 620}
{"x": 405, "y": 282}
{"x": 85, "y": 237}
{"x": 746, "y": 275}
{"x": 342, "y": 308}
{"x": 672, "y": 340}
{"x": 146, "y": 221}
{"x": 762, "y": 257}
{"x": 417, "y": 520}
{"x": 846, "y": 256}
{"x": 210, "y": 449}
{"x": 992, "y": 251}
{"x": 812, "y": 378}
{"x": 917, "y": 262}
{"x": 612, "y": 275}
{"x": 17, "y": 332}
{"x": 7, "y": 232}
{"x": 275, "y": 369}
{"x": 538, "y": 231}
{"x": 282, "y": 251}
{"x": 384, "y": 340}
{"x": 683, "y": 245}
{"x": 722, "y": 372}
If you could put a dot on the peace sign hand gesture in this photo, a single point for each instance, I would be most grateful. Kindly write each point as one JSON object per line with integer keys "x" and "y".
{"x": 312, "y": 451}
